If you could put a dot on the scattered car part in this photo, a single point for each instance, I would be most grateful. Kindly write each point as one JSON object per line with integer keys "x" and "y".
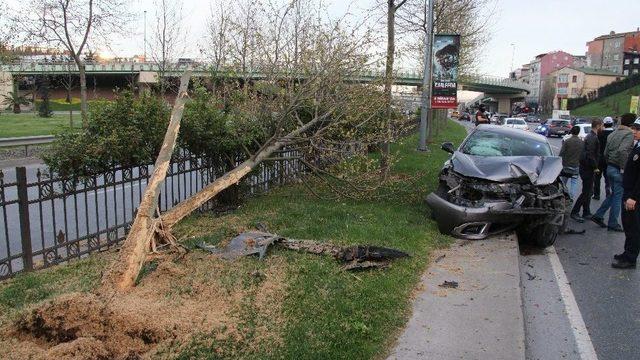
{"x": 355, "y": 257}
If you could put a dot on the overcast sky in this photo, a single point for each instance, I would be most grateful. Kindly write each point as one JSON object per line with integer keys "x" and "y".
{"x": 532, "y": 26}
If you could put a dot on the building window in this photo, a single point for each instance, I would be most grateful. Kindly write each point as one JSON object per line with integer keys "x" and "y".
{"x": 627, "y": 61}
{"x": 566, "y": 58}
{"x": 563, "y": 78}
{"x": 574, "y": 79}
{"x": 574, "y": 91}
{"x": 616, "y": 57}
{"x": 625, "y": 72}
{"x": 636, "y": 61}
{"x": 635, "y": 71}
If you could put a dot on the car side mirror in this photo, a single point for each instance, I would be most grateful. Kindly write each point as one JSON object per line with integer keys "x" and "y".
{"x": 448, "y": 147}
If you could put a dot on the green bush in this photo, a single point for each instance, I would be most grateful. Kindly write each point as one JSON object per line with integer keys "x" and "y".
{"x": 126, "y": 132}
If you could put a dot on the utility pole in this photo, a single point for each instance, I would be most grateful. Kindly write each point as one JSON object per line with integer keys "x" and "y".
{"x": 425, "y": 110}
{"x": 513, "y": 52}
{"x": 145, "y": 36}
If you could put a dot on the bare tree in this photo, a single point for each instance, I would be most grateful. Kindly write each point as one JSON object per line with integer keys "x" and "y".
{"x": 69, "y": 82}
{"x": 392, "y": 8}
{"x": 71, "y": 25}
{"x": 168, "y": 41}
{"x": 246, "y": 33}
{"x": 217, "y": 45}
{"x": 468, "y": 18}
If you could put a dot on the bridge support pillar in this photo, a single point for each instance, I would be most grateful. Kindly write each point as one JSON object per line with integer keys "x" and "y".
{"x": 6, "y": 86}
{"x": 504, "y": 105}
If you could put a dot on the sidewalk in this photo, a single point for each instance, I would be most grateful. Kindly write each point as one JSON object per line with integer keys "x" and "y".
{"x": 480, "y": 319}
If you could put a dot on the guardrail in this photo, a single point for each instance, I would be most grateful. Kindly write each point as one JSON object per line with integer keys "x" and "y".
{"x": 26, "y": 141}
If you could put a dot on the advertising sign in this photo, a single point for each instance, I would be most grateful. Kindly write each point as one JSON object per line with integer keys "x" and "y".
{"x": 444, "y": 79}
{"x": 565, "y": 102}
{"x": 634, "y": 104}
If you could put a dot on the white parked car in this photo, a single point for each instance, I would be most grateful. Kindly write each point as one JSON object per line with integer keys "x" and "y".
{"x": 585, "y": 129}
{"x": 516, "y": 123}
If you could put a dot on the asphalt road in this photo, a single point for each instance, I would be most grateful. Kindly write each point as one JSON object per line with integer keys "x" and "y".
{"x": 575, "y": 305}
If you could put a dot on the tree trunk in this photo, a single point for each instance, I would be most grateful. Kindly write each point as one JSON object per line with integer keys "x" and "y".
{"x": 83, "y": 93}
{"x": 125, "y": 270}
{"x": 388, "y": 81}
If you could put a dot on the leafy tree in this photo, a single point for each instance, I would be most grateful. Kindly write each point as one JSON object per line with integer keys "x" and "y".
{"x": 14, "y": 99}
{"x": 44, "y": 107}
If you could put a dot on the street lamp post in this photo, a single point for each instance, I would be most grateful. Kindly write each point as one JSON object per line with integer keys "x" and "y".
{"x": 425, "y": 110}
{"x": 145, "y": 36}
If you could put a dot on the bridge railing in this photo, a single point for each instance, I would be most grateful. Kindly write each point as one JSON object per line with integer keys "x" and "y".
{"x": 412, "y": 75}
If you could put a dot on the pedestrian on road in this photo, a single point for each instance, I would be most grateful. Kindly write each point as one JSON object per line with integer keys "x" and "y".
{"x": 588, "y": 167}
{"x": 602, "y": 164}
{"x": 570, "y": 154}
{"x": 616, "y": 152}
{"x": 631, "y": 211}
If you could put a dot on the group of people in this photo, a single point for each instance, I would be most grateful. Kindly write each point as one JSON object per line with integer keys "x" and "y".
{"x": 615, "y": 155}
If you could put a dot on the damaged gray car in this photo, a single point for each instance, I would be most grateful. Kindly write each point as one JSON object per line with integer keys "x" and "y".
{"x": 501, "y": 179}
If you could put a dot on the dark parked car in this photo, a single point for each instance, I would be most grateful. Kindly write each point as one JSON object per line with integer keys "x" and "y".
{"x": 555, "y": 127}
{"x": 501, "y": 179}
{"x": 465, "y": 116}
{"x": 532, "y": 118}
{"x": 577, "y": 121}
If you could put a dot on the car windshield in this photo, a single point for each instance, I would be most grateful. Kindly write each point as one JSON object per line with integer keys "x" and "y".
{"x": 487, "y": 143}
{"x": 559, "y": 122}
{"x": 586, "y": 129}
{"x": 515, "y": 122}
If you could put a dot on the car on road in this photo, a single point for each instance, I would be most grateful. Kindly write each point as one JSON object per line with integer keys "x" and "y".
{"x": 585, "y": 129}
{"x": 455, "y": 114}
{"x": 501, "y": 179}
{"x": 554, "y": 127}
{"x": 516, "y": 123}
{"x": 577, "y": 121}
{"x": 497, "y": 118}
{"x": 531, "y": 118}
{"x": 465, "y": 116}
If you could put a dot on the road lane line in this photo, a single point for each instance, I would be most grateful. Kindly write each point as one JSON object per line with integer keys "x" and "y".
{"x": 580, "y": 332}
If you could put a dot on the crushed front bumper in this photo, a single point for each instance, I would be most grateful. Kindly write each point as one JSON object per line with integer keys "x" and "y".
{"x": 476, "y": 223}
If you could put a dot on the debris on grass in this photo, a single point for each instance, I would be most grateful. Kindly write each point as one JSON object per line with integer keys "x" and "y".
{"x": 358, "y": 257}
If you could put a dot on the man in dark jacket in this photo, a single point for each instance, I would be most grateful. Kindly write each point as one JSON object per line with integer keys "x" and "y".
{"x": 588, "y": 167}
{"x": 607, "y": 122}
{"x": 570, "y": 154}
{"x": 619, "y": 145}
{"x": 631, "y": 208}
{"x": 481, "y": 117}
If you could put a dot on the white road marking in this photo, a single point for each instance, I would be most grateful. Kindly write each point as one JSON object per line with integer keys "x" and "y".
{"x": 580, "y": 332}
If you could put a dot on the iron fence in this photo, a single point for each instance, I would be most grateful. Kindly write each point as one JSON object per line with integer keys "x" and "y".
{"x": 47, "y": 220}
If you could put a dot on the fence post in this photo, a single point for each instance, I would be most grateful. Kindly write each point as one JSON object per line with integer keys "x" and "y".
{"x": 25, "y": 225}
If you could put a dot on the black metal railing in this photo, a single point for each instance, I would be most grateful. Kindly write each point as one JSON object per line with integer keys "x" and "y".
{"x": 47, "y": 220}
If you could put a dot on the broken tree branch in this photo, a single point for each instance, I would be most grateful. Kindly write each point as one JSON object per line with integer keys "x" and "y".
{"x": 143, "y": 230}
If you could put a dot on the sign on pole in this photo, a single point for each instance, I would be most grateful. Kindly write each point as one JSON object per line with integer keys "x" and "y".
{"x": 565, "y": 102}
{"x": 634, "y": 104}
{"x": 444, "y": 86}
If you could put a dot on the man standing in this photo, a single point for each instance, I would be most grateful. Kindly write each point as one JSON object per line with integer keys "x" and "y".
{"x": 588, "y": 167}
{"x": 631, "y": 211}
{"x": 602, "y": 163}
{"x": 481, "y": 117}
{"x": 619, "y": 145}
{"x": 570, "y": 154}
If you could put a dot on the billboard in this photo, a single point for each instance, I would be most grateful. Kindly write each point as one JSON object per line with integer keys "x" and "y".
{"x": 444, "y": 75}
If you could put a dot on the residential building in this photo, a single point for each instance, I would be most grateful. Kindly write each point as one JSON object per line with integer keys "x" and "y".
{"x": 540, "y": 67}
{"x": 631, "y": 63}
{"x": 571, "y": 82}
{"x": 607, "y": 52}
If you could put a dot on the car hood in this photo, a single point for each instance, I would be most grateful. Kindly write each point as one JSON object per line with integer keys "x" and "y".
{"x": 540, "y": 170}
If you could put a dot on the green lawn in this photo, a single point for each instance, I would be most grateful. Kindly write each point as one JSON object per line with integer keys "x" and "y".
{"x": 325, "y": 313}
{"x": 30, "y": 124}
{"x": 613, "y": 105}
{"x": 63, "y": 105}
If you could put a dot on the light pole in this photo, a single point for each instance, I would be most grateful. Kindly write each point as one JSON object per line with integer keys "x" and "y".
{"x": 145, "y": 36}
{"x": 425, "y": 109}
{"x": 513, "y": 52}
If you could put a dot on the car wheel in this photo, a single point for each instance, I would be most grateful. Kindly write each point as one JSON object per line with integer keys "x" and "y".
{"x": 541, "y": 236}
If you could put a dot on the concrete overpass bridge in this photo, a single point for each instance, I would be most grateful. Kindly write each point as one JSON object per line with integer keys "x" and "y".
{"x": 504, "y": 90}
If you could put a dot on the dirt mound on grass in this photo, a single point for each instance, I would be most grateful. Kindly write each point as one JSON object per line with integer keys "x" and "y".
{"x": 170, "y": 306}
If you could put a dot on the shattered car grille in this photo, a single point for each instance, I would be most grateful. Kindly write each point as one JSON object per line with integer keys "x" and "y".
{"x": 472, "y": 192}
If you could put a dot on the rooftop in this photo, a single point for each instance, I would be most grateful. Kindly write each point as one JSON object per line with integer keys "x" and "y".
{"x": 591, "y": 71}
{"x": 613, "y": 34}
